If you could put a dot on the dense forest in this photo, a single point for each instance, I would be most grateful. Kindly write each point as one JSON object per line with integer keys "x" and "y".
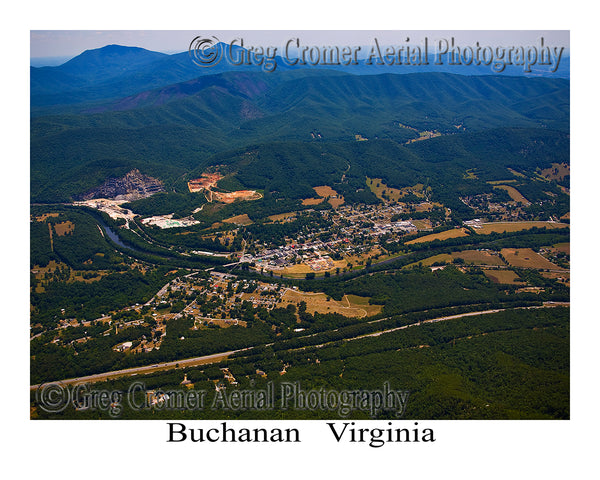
{"x": 512, "y": 364}
{"x": 449, "y": 146}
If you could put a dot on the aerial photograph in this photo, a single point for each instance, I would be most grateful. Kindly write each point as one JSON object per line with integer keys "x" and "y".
{"x": 300, "y": 225}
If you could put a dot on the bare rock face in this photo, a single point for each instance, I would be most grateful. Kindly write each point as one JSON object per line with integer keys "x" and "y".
{"x": 132, "y": 186}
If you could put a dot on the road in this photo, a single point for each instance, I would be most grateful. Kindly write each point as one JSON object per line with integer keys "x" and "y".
{"x": 217, "y": 357}
{"x": 128, "y": 372}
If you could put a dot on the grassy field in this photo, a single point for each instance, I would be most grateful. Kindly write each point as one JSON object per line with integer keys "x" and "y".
{"x": 471, "y": 257}
{"x": 358, "y": 261}
{"x": 500, "y": 182}
{"x": 503, "y": 276}
{"x": 336, "y": 202}
{"x": 563, "y": 277}
{"x": 282, "y": 216}
{"x": 426, "y": 206}
{"x": 239, "y": 220}
{"x": 64, "y": 228}
{"x": 470, "y": 174}
{"x": 427, "y": 262}
{"x": 378, "y": 188}
{"x": 296, "y": 271}
{"x": 477, "y": 257}
{"x": 454, "y": 233}
{"x": 424, "y": 224}
{"x": 350, "y": 306}
{"x": 514, "y": 194}
{"x": 312, "y": 201}
{"x": 501, "y": 227}
{"x": 75, "y": 275}
{"x": 563, "y": 247}
{"x": 527, "y": 258}
{"x": 557, "y": 171}
{"x": 44, "y": 216}
{"x": 325, "y": 191}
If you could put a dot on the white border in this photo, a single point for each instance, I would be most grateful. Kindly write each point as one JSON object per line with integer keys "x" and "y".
{"x": 464, "y": 449}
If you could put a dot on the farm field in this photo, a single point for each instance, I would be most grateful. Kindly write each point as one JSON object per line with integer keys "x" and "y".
{"x": 557, "y": 171}
{"x": 563, "y": 277}
{"x": 424, "y": 224}
{"x": 500, "y": 182}
{"x": 473, "y": 257}
{"x": 324, "y": 191}
{"x": 563, "y": 247}
{"x": 74, "y": 276}
{"x": 503, "y": 276}
{"x": 239, "y": 220}
{"x": 478, "y": 257}
{"x": 64, "y": 228}
{"x": 527, "y": 258}
{"x": 282, "y": 216}
{"x": 427, "y": 262}
{"x": 514, "y": 194}
{"x": 312, "y": 201}
{"x": 454, "y": 233}
{"x": 501, "y": 227}
{"x": 349, "y": 306}
{"x": 379, "y": 188}
{"x": 43, "y": 217}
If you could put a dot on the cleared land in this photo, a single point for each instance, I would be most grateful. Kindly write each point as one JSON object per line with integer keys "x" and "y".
{"x": 500, "y": 182}
{"x": 427, "y": 262}
{"x": 243, "y": 219}
{"x": 503, "y": 276}
{"x": 454, "y": 233}
{"x": 282, "y": 216}
{"x": 563, "y": 277}
{"x": 471, "y": 257}
{"x": 312, "y": 201}
{"x": 424, "y": 224}
{"x": 206, "y": 182}
{"x": 381, "y": 190}
{"x": 43, "y": 217}
{"x": 557, "y": 171}
{"x": 231, "y": 197}
{"x": 350, "y": 306}
{"x": 563, "y": 247}
{"x": 478, "y": 257}
{"x": 527, "y": 258}
{"x": 75, "y": 275}
{"x": 336, "y": 202}
{"x": 501, "y": 227}
{"x": 514, "y": 194}
{"x": 325, "y": 191}
{"x": 64, "y": 228}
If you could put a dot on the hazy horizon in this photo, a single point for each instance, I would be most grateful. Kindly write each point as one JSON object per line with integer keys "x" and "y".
{"x": 54, "y": 47}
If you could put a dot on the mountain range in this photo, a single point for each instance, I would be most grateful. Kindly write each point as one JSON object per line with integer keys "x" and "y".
{"x": 115, "y": 109}
{"x": 115, "y": 71}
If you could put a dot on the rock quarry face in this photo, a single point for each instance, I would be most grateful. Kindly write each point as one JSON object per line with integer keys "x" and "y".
{"x": 132, "y": 186}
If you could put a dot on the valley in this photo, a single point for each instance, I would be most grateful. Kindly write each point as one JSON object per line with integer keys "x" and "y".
{"x": 229, "y": 230}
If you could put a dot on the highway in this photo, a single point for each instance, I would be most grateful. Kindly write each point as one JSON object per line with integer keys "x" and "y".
{"x": 128, "y": 372}
{"x": 217, "y": 357}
